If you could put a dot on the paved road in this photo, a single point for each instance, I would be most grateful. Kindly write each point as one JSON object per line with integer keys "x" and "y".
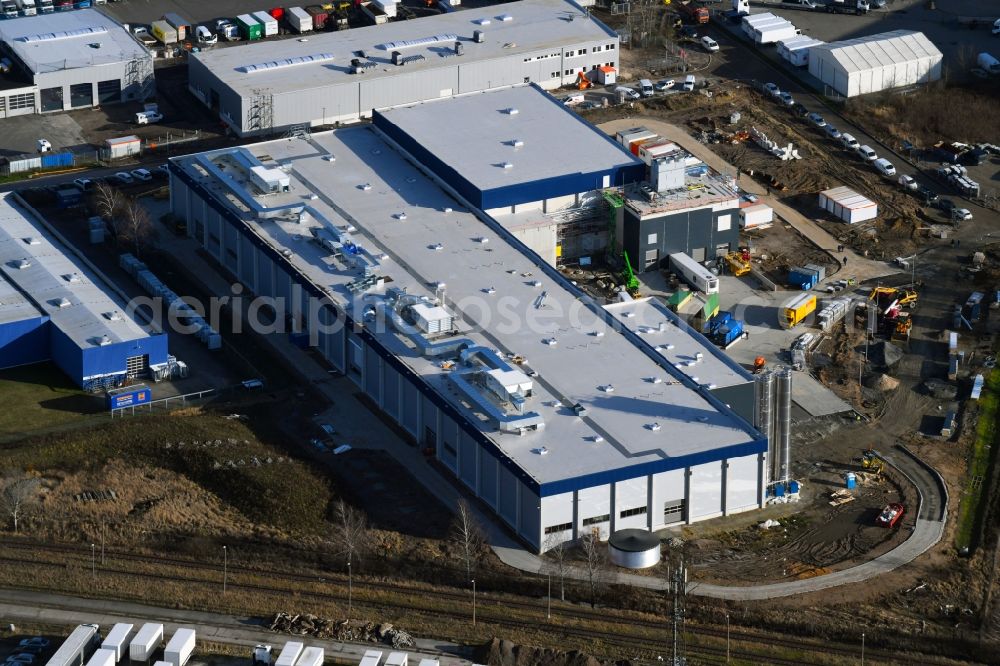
{"x": 21, "y": 606}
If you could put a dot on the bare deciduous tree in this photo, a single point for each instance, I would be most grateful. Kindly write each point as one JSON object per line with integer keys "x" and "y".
{"x": 109, "y": 202}
{"x": 558, "y": 554}
{"x": 136, "y": 226}
{"x": 467, "y": 534}
{"x": 353, "y": 539}
{"x": 17, "y": 495}
{"x": 594, "y": 555}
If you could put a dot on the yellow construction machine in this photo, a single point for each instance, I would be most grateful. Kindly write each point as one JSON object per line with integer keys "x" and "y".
{"x": 872, "y": 461}
{"x": 739, "y": 263}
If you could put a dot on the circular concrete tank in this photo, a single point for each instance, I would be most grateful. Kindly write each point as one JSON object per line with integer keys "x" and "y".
{"x": 634, "y": 549}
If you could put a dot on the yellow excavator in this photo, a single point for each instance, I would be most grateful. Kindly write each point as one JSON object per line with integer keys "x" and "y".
{"x": 872, "y": 461}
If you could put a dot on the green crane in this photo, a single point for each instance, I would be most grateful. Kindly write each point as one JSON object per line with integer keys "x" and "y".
{"x": 628, "y": 275}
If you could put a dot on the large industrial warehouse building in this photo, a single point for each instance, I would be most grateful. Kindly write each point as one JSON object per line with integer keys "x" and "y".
{"x": 53, "y": 307}
{"x": 878, "y": 62}
{"x": 562, "y": 415}
{"x": 71, "y": 60}
{"x": 343, "y": 76}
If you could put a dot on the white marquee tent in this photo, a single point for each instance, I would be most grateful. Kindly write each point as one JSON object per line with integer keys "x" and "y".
{"x": 878, "y": 62}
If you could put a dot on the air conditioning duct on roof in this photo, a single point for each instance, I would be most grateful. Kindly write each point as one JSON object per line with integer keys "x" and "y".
{"x": 477, "y": 36}
{"x": 459, "y": 48}
{"x": 396, "y": 56}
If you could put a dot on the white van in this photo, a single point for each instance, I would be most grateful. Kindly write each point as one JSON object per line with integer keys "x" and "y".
{"x": 689, "y": 83}
{"x": 884, "y": 167}
{"x": 148, "y": 117}
{"x": 849, "y": 141}
{"x": 205, "y": 36}
{"x": 646, "y": 87}
{"x": 867, "y": 154}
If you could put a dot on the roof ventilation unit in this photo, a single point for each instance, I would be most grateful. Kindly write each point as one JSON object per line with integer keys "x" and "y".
{"x": 482, "y": 21}
{"x": 114, "y": 315}
{"x": 478, "y": 36}
{"x": 512, "y": 111}
{"x": 62, "y": 302}
{"x": 269, "y": 181}
{"x": 507, "y": 165}
{"x": 31, "y": 240}
{"x": 72, "y": 278}
{"x": 21, "y": 264}
{"x": 505, "y": 18}
{"x": 459, "y": 49}
{"x": 422, "y": 41}
{"x": 63, "y": 34}
{"x": 102, "y": 341}
{"x": 517, "y": 143}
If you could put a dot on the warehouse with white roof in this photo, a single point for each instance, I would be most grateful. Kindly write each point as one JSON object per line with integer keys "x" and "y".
{"x": 562, "y": 415}
{"x": 53, "y": 307}
{"x": 72, "y": 60}
{"x": 343, "y": 76}
{"x": 878, "y": 62}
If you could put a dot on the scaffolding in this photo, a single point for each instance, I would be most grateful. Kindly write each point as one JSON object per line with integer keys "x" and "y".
{"x": 615, "y": 204}
{"x": 260, "y": 114}
{"x": 139, "y": 82}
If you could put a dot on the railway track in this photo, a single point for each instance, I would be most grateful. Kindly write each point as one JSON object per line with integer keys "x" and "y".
{"x": 489, "y": 609}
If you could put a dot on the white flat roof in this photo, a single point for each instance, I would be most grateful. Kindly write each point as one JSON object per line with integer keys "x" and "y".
{"x": 638, "y": 421}
{"x": 66, "y": 40}
{"x": 14, "y": 306}
{"x": 533, "y": 25}
{"x": 57, "y": 282}
{"x": 886, "y": 48}
{"x": 476, "y": 135}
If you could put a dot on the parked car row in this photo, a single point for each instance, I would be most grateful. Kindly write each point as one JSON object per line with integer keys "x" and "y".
{"x": 647, "y": 88}
{"x": 122, "y": 178}
{"x": 866, "y": 154}
{"x": 27, "y": 652}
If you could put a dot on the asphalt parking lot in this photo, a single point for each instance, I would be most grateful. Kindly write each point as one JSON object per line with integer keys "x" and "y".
{"x": 21, "y": 132}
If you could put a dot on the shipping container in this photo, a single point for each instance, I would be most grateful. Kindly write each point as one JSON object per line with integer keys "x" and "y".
{"x": 429, "y": 662}
{"x": 249, "y": 27}
{"x": 57, "y": 160}
{"x": 650, "y": 150}
{"x": 180, "y": 24}
{"x": 371, "y": 658}
{"x": 20, "y": 165}
{"x": 180, "y": 647}
{"x": 848, "y": 205}
{"x": 775, "y": 32}
{"x": 319, "y": 16}
{"x": 311, "y": 656}
{"x": 756, "y": 217}
{"x": 120, "y": 147}
{"x": 102, "y": 657}
{"x": 150, "y": 635}
{"x": 397, "y": 659}
{"x": 289, "y": 654}
{"x": 164, "y": 32}
{"x": 266, "y": 20}
{"x": 299, "y": 19}
{"x": 130, "y": 396}
{"x": 820, "y": 271}
{"x": 802, "y": 278}
{"x": 796, "y": 310}
{"x": 626, "y": 137}
{"x": 694, "y": 273}
{"x": 77, "y": 647}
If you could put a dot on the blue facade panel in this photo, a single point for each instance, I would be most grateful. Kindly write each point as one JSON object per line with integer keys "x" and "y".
{"x": 631, "y": 170}
{"x": 67, "y": 355}
{"x": 24, "y": 342}
{"x": 110, "y": 359}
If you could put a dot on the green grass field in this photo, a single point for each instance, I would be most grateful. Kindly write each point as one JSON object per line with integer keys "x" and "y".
{"x": 40, "y": 397}
{"x": 971, "y": 508}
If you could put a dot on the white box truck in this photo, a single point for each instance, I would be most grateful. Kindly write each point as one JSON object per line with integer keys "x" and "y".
{"x": 289, "y": 654}
{"x": 77, "y": 646}
{"x": 269, "y": 22}
{"x": 311, "y": 656}
{"x": 180, "y": 647}
{"x": 102, "y": 657}
{"x": 27, "y": 7}
{"x": 145, "y": 642}
{"x": 299, "y": 19}
{"x": 397, "y": 659}
{"x": 117, "y": 639}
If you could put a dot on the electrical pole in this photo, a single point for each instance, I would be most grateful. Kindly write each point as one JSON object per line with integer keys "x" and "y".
{"x": 727, "y": 638}
{"x": 679, "y": 585}
{"x": 102, "y": 541}
{"x": 473, "y": 602}
{"x": 225, "y": 568}
{"x": 93, "y": 561}
{"x": 350, "y": 590}
{"x": 862, "y": 648}
{"x": 548, "y": 600}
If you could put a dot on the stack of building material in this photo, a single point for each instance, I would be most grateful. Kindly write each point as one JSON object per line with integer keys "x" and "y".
{"x": 848, "y": 205}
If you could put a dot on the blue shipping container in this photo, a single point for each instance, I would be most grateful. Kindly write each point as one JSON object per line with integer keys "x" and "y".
{"x": 81, "y": 4}
{"x": 129, "y": 397}
{"x": 57, "y": 160}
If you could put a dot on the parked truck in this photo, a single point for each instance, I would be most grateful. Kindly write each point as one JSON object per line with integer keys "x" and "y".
{"x": 163, "y": 32}
{"x": 693, "y": 12}
{"x": 180, "y": 647}
{"x": 848, "y": 7}
{"x": 180, "y": 24}
{"x": 77, "y": 647}
{"x": 9, "y": 8}
{"x": 796, "y": 310}
{"x": 27, "y": 7}
{"x": 270, "y": 25}
{"x": 299, "y": 19}
{"x": 250, "y": 28}
{"x": 45, "y": 7}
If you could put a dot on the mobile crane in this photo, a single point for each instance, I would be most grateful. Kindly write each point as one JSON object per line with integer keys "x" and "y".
{"x": 628, "y": 276}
